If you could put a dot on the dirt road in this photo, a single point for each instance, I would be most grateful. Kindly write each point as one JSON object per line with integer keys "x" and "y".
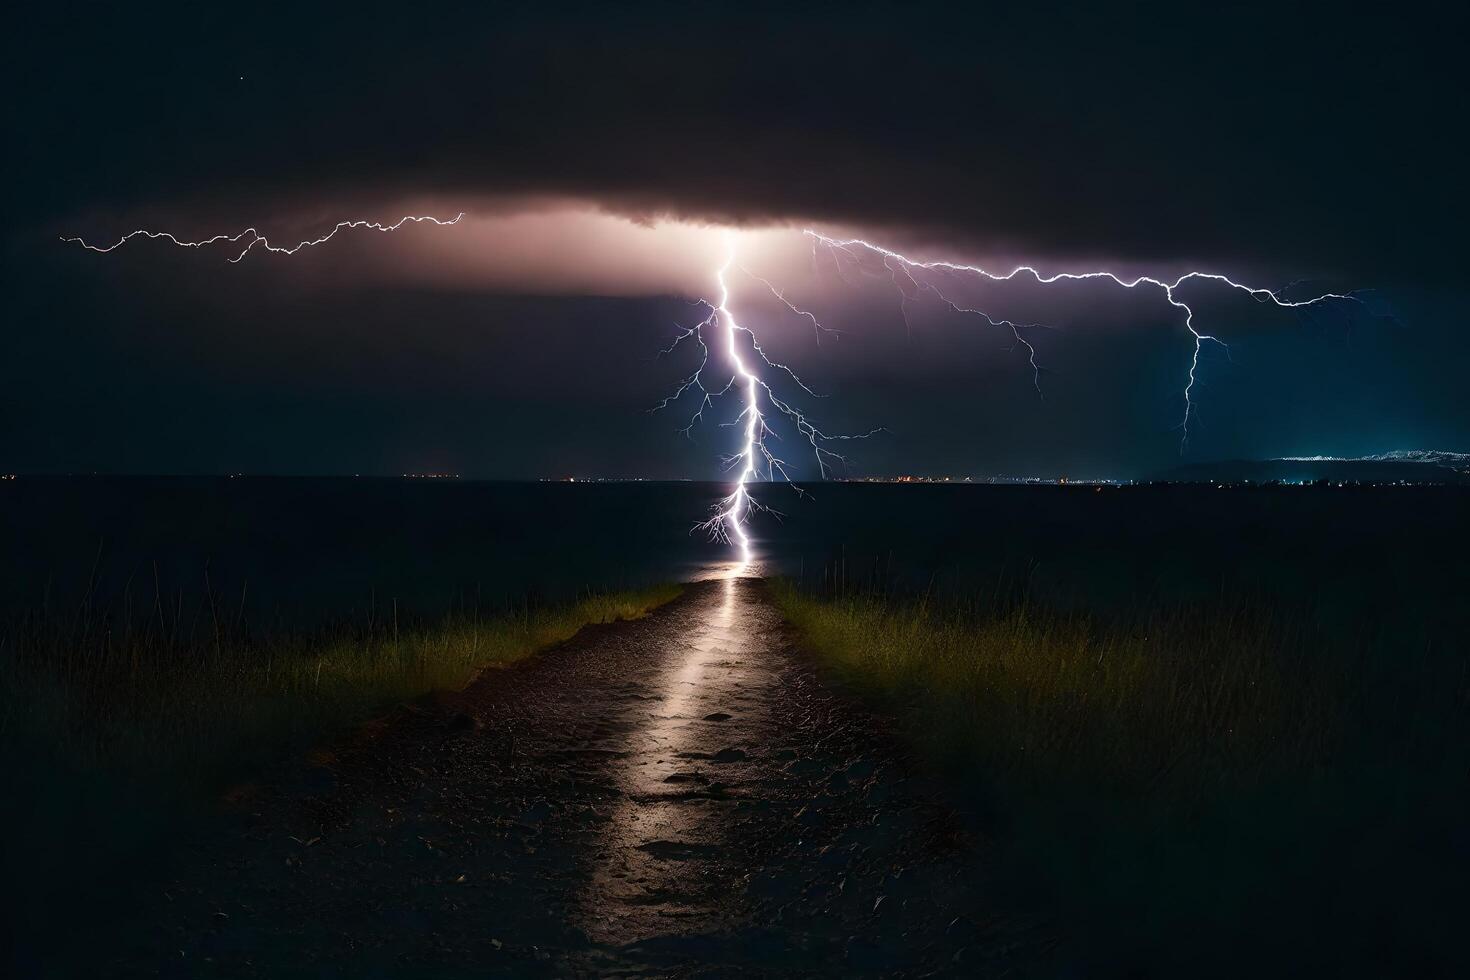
{"x": 675, "y": 796}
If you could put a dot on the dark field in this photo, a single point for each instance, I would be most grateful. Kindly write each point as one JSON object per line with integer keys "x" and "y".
{"x": 1214, "y": 730}
{"x": 296, "y": 553}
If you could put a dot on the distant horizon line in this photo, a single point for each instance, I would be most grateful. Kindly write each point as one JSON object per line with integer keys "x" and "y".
{"x": 1395, "y": 455}
{"x": 1161, "y": 479}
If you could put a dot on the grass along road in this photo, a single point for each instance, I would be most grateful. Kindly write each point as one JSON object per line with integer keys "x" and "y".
{"x": 119, "y": 732}
{"x": 673, "y": 795}
{"x": 1199, "y": 790}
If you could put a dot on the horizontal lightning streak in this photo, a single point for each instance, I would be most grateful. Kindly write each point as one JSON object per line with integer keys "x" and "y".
{"x": 253, "y": 238}
{"x": 1259, "y": 293}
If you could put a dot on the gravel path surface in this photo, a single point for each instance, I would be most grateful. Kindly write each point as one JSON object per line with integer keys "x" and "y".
{"x": 677, "y": 796}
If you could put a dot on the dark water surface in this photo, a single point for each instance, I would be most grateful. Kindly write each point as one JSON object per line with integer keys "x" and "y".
{"x": 302, "y": 551}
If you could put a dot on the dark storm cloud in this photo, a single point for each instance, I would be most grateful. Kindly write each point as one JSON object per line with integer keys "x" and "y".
{"x": 1278, "y": 142}
{"x": 1285, "y": 138}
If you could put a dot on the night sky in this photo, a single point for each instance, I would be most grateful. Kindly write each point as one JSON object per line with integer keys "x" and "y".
{"x": 1277, "y": 143}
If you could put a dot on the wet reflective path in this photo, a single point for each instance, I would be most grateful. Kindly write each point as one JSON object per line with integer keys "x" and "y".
{"x": 673, "y": 796}
{"x": 696, "y": 723}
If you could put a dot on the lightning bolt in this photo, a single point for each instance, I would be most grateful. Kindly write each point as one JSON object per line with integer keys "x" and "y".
{"x": 253, "y": 238}
{"x": 818, "y": 328}
{"x": 894, "y": 261}
{"x": 755, "y": 461}
{"x": 732, "y": 512}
